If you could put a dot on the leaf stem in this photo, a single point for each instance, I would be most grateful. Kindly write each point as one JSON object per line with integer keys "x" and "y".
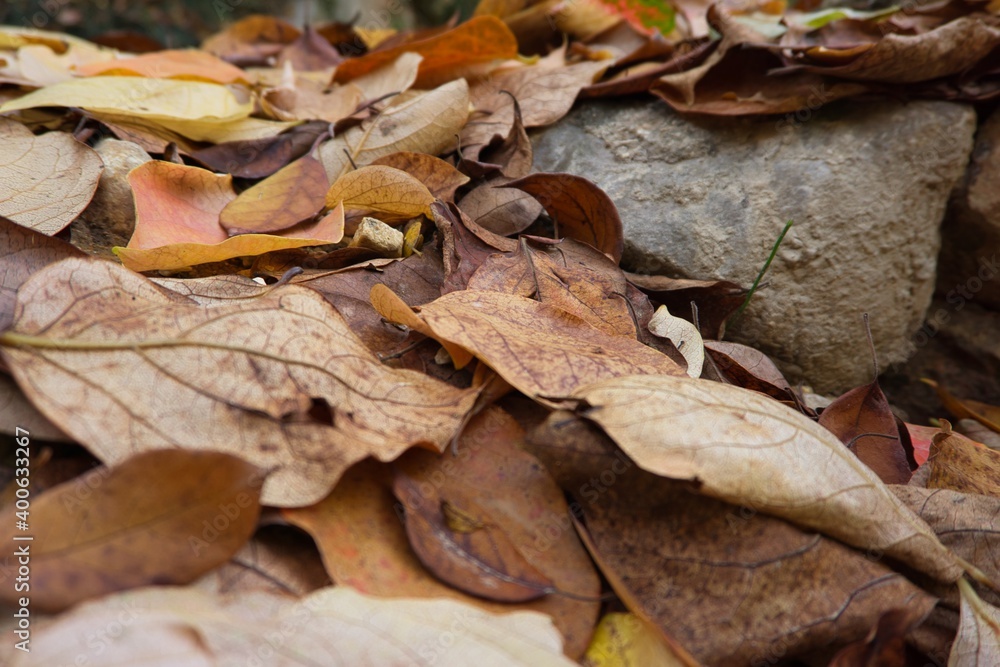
{"x": 756, "y": 283}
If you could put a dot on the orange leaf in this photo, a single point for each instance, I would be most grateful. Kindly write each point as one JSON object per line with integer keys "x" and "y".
{"x": 285, "y": 198}
{"x": 478, "y": 41}
{"x": 189, "y": 64}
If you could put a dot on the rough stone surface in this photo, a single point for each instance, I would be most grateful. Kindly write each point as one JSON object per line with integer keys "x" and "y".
{"x": 109, "y": 220}
{"x": 867, "y": 186}
{"x": 971, "y": 233}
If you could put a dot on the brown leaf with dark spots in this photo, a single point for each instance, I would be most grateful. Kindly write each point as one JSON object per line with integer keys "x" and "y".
{"x": 441, "y": 178}
{"x": 25, "y": 251}
{"x": 580, "y": 209}
{"x": 732, "y": 585}
{"x": 961, "y": 465}
{"x": 194, "y": 511}
{"x": 278, "y": 379}
{"x": 459, "y": 541}
{"x": 862, "y": 420}
{"x": 542, "y": 351}
{"x": 567, "y": 274}
{"x": 284, "y": 199}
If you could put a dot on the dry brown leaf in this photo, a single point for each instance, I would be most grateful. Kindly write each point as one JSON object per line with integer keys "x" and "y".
{"x": 171, "y": 627}
{"x": 567, "y": 274}
{"x": 503, "y": 211}
{"x": 440, "y": 177}
{"x": 292, "y": 194}
{"x": 731, "y": 585}
{"x": 393, "y": 78}
{"x": 24, "y": 252}
{"x": 310, "y": 52}
{"x": 196, "y": 509}
{"x": 388, "y": 193}
{"x": 252, "y": 40}
{"x": 280, "y": 379}
{"x": 863, "y": 421}
{"x": 978, "y": 641}
{"x": 961, "y": 465}
{"x": 579, "y": 209}
{"x": 747, "y": 449}
{"x": 965, "y": 408}
{"x": 446, "y": 56}
{"x": 16, "y": 411}
{"x": 46, "y": 181}
{"x": 424, "y": 123}
{"x": 683, "y": 334}
{"x": 542, "y": 351}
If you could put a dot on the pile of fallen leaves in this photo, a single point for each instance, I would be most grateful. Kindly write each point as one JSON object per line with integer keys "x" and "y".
{"x": 349, "y": 307}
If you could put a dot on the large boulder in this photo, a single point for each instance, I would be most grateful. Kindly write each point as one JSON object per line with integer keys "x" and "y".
{"x": 866, "y": 185}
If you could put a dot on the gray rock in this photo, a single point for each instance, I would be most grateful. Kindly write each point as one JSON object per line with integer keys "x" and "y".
{"x": 109, "y": 220}
{"x": 970, "y": 245}
{"x": 866, "y": 185}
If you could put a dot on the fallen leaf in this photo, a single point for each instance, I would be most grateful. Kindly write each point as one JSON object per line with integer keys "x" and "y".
{"x": 519, "y": 337}
{"x": 965, "y": 408}
{"x": 184, "y": 103}
{"x": 185, "y": 64}
{"x": 749, "y": 368}
{"x": 962, "y": 465}
{"x": 292, "y": 194}
{"x": 177, "y": 221}
{"x": 392, "y": 78}
{"x": 716, "y": 300}
{"x": 331, "y": 626}
{"x": 259, "y": 158}
{"x": 310, "y": 52}
{"x": 683, "y": 335}
{"x": 16, "y": 409}
{"x": 252, "y": 40}
{"x": 747, "y": 449}
{"x": 306, "y": 99}
{"x": 446, "y": 56}
{"x": 624, "y": 640}
{"x": 503, "y": 211}
{"x": 978, "y": 639}
{"x": 196, "y": 510}
{"x": 730, "y": 585}
{"x": 25, "y": 251}
{"x": 579, "y": 209}
{"x": 863, "y": 421}
{"x": 438, "y": 176}
{"x": 48, "y": 179}
{"x": 388, "y": 193}
{"x": 567, "y": 274}
{"x": 122, "y": 366}
{"x": 425, "y": 123}
{"x": 516, "y": 548}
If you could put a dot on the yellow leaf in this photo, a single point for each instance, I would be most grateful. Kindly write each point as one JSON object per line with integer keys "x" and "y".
{"x": 391, "y": 194}
{"x": 622, "y": 640}
{"x": 150, "y": 99}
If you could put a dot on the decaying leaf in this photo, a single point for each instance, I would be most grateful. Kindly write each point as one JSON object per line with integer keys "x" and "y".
{"x": 46, "y": 181}
{"x": 519, "y": 337}
{"x": 196, "y": 510}
{"x": 122, "y": 366}
{"x": 747, "y": 449}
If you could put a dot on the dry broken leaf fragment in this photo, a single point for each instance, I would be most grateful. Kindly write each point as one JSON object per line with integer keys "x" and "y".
{"x": 123, "y": 365}
{"x": 959, "y": 464}
{"x": 543, "y": 351}
{"x": 747, "y": 449}
{"x": 195, "y": 510}
{"x": 46, "y": 181}
{"x": 446, "y": 56}
{"x": 284, "y": 199}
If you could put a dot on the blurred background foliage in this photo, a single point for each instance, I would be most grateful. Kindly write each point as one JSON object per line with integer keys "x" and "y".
{"x": 179, "y": 23}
